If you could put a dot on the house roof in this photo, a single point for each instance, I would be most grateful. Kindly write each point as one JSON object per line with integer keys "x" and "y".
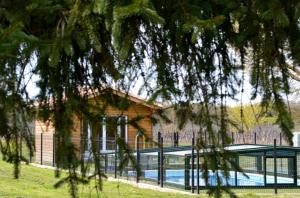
{"x": 245, "y": 149}
{"x": 134, "y": 98}
{"x": 97, "y": 92}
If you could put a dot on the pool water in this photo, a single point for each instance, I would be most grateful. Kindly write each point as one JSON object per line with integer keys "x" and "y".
{"x": 177, "y": 177}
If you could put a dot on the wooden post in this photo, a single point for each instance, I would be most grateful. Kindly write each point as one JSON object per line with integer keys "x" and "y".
{"x": 254, "y": 138}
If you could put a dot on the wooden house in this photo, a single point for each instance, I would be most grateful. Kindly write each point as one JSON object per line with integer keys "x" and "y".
{"x": 120, "y": 113}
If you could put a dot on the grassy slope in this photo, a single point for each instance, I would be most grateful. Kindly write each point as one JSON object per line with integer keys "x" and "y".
{"x": 37, "y": 182}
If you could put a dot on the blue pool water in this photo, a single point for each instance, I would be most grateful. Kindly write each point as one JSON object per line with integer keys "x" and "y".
{"x": 177, "y": 177}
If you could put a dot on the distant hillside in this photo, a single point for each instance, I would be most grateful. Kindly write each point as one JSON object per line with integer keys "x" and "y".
{"x": 250, "y": 116}
{"x": 254, "y": 120}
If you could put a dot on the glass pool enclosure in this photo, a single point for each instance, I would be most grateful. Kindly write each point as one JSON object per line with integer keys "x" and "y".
{"x": 264, "y": 166}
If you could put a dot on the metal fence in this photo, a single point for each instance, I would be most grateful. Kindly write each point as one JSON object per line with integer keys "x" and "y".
{"x": 45, "y": 144}
{"x": 269, "y": 168}
{"x": 264, "y": 167}
{"x": 260, "y": 137}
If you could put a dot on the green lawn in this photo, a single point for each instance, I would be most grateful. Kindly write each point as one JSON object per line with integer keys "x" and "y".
{"x": 38, "y": 182}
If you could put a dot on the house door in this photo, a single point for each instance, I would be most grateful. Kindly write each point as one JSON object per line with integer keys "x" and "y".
{"x": 112, "y": 126}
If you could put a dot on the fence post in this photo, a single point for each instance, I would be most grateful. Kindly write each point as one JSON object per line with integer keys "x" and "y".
{"x": 174, "y": 139}
{"x": 158, "y": 158}
{"x": 161, "y": 162}
{"x": 105, "y": 163}
{"x": 82, "y": 150}
{"x": 275, "y": 167}
{"x": 258, "y": 160}
{"x": 30, "y": 156}
{"x": 137, "y": 158}
{"x": 21, "y": 143}
{"x": 41, "y": 148}
{"x": 235, "y": 171}
{"x": 193, "y": 161}
{"x": 53, "y": 150}
{"x": 232, "y": 138}
{"x": 280, "y": 139}
{"x": 255, "y": 138}
{"x": 295, "y": 170}
{"x": 177, "y": 139}
{"x": 265, "y": 169}
{"x": 187, "y": 172}
{"x": 99, "y": 143}
{"x": 116, "y": 158}
{"x": 198, "y": 167}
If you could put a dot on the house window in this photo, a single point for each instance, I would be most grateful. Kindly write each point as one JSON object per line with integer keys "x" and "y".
{"x": 103, "y": 132}
{"x": 113, "y": 125}
{"x": 111, "y": 131}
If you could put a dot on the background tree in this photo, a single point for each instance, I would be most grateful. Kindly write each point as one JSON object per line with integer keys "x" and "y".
{"x": 253, "y": 115}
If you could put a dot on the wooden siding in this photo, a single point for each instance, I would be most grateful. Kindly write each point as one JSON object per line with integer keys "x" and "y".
{"x": 132, "y": 112}
{"x": 44, "y": 139}
{"x": 43, "y": 142}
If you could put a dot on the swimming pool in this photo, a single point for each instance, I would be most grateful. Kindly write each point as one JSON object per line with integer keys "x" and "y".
{"x": 177, "y": 177}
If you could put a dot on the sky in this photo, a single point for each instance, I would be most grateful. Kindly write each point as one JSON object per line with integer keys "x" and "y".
{"x": 33, "y": 91}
